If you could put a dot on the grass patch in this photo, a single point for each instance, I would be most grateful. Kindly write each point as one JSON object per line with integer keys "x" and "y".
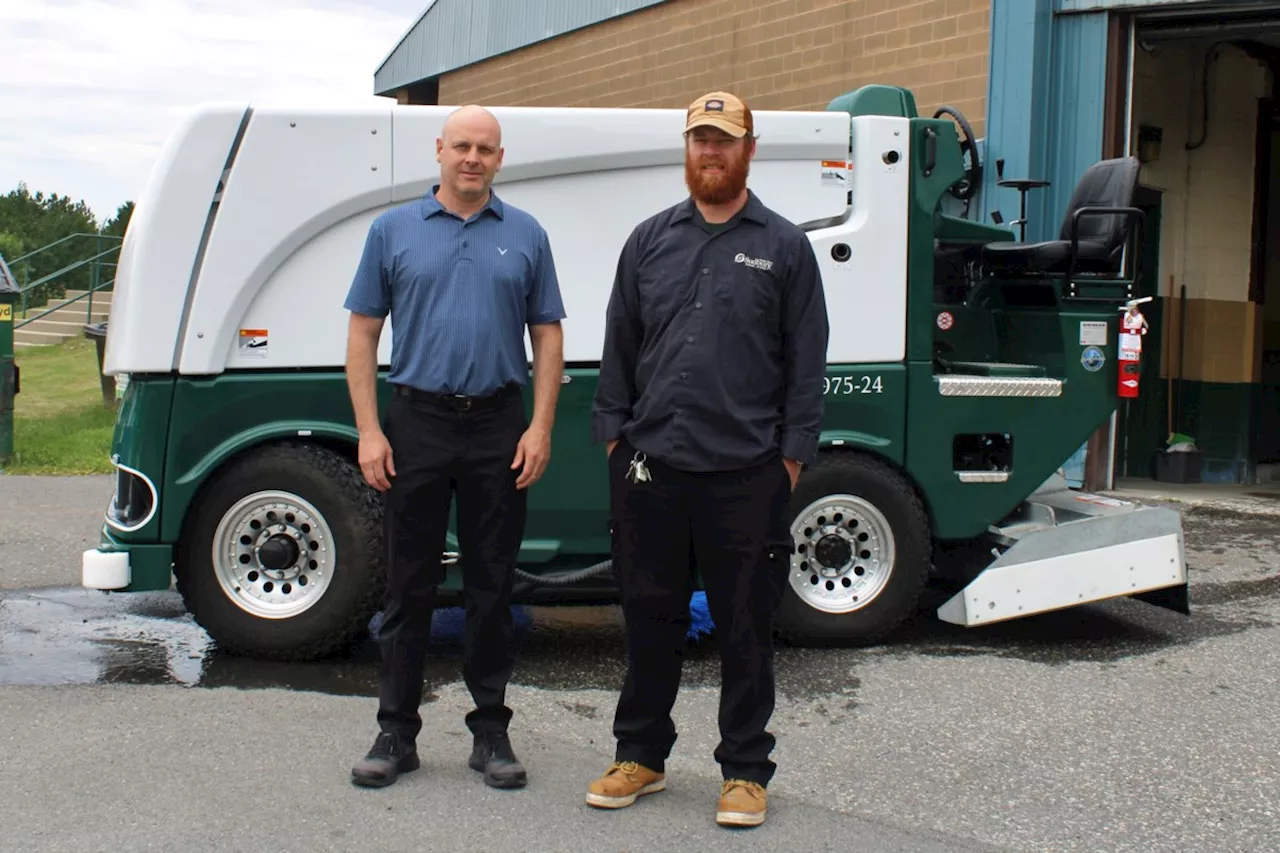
{"x": 60, "y": 424}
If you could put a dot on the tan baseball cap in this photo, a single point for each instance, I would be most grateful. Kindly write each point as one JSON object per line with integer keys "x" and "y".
{"x": 720, "y": 110}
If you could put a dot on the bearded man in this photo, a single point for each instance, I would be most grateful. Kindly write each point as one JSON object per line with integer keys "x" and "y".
{"x": 709, "y": 403}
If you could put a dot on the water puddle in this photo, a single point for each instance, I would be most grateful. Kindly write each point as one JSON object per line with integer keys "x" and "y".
{"x": 76, "y": 636}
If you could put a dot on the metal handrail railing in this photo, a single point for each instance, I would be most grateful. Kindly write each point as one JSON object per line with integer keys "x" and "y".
{"x": 88, "y": 294}
{"x": 35, "y": 252}
{"x": 95, "y": 262}
{"x": 33, "y": 285}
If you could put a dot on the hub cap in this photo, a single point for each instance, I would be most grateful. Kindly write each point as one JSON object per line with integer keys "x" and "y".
{"x": 843, "y": 554}
{"x": 273, "y": 554}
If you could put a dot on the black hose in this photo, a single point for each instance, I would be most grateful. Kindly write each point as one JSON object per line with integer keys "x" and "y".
{"x": 566, "y": 578}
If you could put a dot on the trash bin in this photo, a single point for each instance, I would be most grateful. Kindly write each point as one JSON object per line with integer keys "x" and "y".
{"x": 9, "y": 384}
{"x": 97, "y": 332}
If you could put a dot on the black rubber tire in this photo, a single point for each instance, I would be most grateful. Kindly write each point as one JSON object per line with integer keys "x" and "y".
{"x": 353, "y": 511}
{"x": 843, "y": 472}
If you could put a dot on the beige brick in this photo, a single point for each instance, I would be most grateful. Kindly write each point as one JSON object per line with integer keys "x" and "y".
{"x": 782, "y": 54}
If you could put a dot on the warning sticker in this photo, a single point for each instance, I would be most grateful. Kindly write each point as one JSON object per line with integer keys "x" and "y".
{"x": 1093, "y": 333}
{"x": 835, "y": 173}
{"x": 6, "y": 312}
{"x": 253, "y": 343}
{"x": 1130, "y": 342}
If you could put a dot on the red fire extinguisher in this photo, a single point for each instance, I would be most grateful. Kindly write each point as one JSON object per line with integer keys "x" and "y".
{"x": 1133, "y": 326}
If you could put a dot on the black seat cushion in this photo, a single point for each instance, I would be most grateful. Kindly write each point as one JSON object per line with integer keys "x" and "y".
{"x": 1101, "y": 237}
{"x": 1051, "y": 256}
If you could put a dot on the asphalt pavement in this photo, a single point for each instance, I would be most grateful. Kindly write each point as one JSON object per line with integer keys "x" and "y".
{"x": 1118, "y": 727}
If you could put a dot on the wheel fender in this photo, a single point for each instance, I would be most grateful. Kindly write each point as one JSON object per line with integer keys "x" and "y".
{"x": 845, "y": 438}
{"x": 187, "y": 484}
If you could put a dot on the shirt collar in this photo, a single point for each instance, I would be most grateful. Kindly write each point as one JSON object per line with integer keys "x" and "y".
{"x": 753, "y": 210}
{"x": 431, "y": 205}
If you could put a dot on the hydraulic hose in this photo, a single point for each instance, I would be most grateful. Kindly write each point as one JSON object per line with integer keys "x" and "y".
{"x": 566, "y": 578}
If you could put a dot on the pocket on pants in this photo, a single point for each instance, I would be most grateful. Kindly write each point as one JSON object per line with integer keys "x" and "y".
{"x": 775, "y": 566}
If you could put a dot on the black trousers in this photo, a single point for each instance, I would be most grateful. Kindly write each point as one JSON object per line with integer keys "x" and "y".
{"x": 733, "y": 527}
{"x": 438, "y": 451}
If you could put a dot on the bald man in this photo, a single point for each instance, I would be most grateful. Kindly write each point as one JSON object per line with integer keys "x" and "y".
{"x": 461, "y": 275}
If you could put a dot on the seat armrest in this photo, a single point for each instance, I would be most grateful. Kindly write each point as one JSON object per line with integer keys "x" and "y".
{"x": 1129, "y": 213}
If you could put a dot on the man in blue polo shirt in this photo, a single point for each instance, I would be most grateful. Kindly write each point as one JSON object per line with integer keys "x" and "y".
{"x": 461, "y": 275}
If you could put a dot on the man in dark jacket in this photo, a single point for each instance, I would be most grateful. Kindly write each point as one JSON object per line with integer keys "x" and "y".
{"x": 709, "y": 402}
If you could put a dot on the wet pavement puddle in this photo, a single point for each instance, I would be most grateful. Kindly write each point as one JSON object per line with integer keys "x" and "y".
{"x": 74, "y": 636}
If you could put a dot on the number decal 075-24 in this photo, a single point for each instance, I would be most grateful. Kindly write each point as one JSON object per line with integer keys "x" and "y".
{"x": 843, "y": 385}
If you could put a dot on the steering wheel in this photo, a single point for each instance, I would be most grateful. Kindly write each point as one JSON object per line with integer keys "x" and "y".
{"x": 965, "y": 188}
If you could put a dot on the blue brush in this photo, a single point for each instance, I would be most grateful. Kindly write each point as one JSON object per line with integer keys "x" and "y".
{"x": 450, "y": 622}
{"x": 700, "y": 622}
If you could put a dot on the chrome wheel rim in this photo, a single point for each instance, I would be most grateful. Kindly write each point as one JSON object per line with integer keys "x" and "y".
{"x": 273, "y": 554}
{"x": 843, "y": 554}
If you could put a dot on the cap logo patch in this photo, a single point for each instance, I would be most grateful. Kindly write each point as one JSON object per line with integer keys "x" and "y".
{"x": 714, "y": 106}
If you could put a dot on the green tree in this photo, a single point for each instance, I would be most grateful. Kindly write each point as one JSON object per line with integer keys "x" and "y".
{"x": 11, "y": 246}
{"x": 36, "y": 220}
{"x": 117, "y": 225}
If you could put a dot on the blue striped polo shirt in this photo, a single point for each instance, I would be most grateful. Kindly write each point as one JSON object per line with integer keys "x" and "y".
{"x": 460, "y": 293}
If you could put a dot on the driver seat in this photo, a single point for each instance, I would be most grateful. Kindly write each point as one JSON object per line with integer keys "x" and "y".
{"x": 1097, "y": 216}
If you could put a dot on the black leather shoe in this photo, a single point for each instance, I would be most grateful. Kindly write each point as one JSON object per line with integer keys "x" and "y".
{"x": 492, "y": 755}
{"x": 389, "y": 757}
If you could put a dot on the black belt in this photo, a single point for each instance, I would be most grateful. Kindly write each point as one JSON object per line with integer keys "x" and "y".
{"x": 460, "y": 402}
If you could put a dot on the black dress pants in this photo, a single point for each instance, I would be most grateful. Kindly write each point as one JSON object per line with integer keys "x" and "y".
{"x": 733, "y": 526}
{"x": 440, "y": 449}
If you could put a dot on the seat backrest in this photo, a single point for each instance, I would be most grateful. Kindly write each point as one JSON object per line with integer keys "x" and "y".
{"x": 1107, "y": 183}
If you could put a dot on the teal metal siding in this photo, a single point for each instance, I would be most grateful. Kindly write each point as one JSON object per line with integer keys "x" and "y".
{"x": 1077, "y": 106}
{"x": 1046, "y": 95}
{"x": 452, "y": 34}
{"x": 1017, "y": 98}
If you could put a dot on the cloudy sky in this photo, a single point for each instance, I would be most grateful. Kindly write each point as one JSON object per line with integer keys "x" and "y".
{"x": 93, "y": 87}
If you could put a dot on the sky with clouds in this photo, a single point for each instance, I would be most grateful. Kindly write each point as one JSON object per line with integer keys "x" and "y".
{"x": 92, "y": 88}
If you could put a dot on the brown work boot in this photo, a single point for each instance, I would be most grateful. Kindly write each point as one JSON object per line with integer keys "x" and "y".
{"x": 622, "y": 783}
{"x": 741, "y": 803}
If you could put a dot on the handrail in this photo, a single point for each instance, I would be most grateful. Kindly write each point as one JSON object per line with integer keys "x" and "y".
{"x": 88, "y": 294}
{"x": 32, "y": 254}
{"x": 66, "y": 269}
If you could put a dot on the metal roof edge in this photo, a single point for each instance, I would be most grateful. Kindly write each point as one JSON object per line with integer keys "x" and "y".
{"x": 388, "y": 78}
{"x": 431, "y": 4}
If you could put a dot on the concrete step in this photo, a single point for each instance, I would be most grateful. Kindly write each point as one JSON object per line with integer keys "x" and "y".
{"x": 25, "y": 336}
{"x": 57, "y": 323}
{"x": 66, "y": 320}
{"x": 74, "y": 312}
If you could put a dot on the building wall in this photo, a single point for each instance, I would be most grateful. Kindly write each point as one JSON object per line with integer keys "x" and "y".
{"x": 1206, "y": 239}
{"x": 1207, "y": 209}
{"x": 776, "y": 54}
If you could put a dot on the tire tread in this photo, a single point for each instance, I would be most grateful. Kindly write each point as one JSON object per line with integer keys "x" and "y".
{"x": 912, "y": 560}
{"x": 349, "y": 486}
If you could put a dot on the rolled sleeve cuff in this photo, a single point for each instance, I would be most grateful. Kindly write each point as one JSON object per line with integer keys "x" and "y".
{"x": 546, "y": 317}
{"x": 800, "y": 446}
{"x": 607, "y": 427}
{"x": 366, "y": 308}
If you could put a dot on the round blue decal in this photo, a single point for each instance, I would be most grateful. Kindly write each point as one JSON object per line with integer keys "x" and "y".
{"x": 1092, "y": 359}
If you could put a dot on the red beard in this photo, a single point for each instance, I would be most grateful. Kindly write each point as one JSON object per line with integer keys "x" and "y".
{"x": 712, "y": 187}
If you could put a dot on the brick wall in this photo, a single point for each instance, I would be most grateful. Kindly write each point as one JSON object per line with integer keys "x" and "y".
{"x": 776, "y": 54}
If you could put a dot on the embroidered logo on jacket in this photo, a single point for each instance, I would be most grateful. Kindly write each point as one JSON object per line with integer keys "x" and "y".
{"x": 757, "y": 263}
